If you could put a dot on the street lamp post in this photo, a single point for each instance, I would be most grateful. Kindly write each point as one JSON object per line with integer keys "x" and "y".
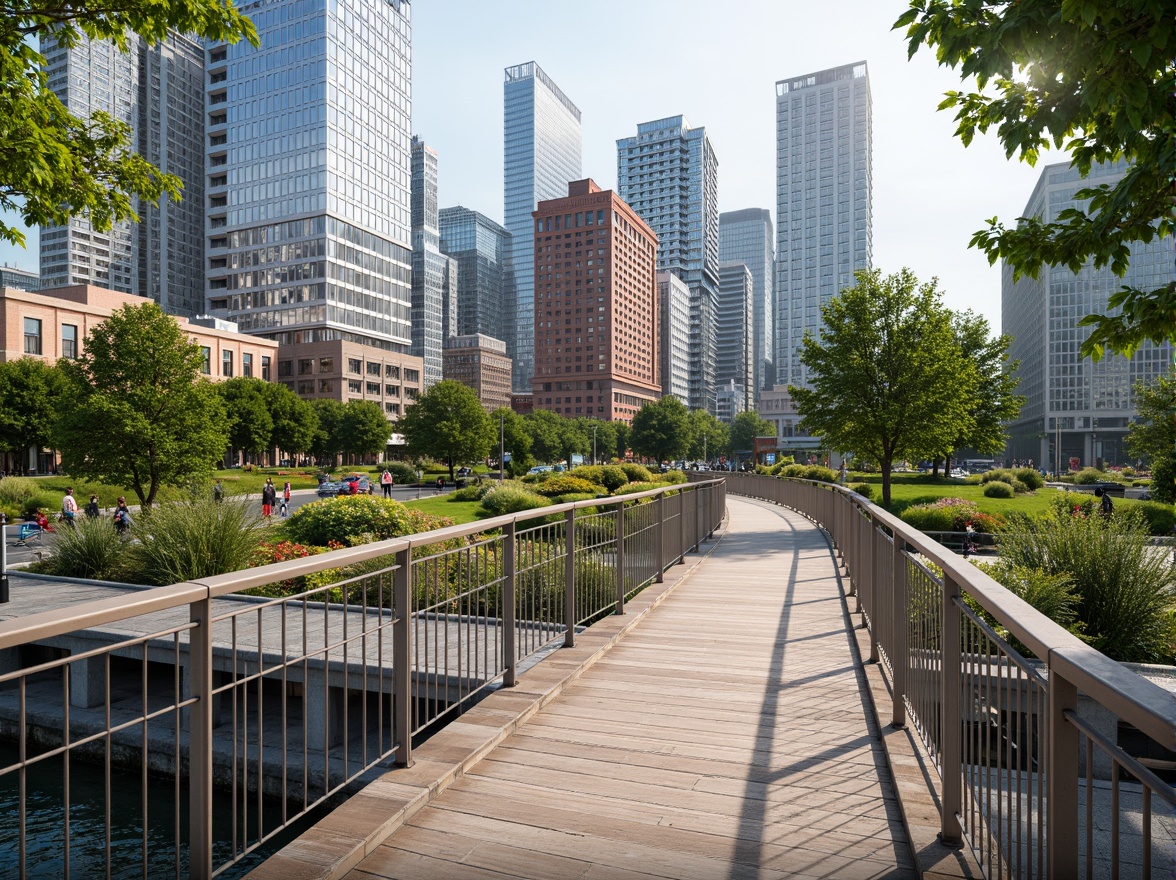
{"x": 704, "y": 458}
{"x": 594, "y": 427}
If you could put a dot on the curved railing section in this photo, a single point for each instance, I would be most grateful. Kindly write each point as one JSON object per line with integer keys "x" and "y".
{"x": 248, "y": 711}
{"x": 1025, "y": 737}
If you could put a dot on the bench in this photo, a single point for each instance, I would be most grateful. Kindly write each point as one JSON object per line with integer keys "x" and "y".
{"x": 28, "y": 531}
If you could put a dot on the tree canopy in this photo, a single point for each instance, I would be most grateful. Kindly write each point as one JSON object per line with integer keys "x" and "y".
{"x": 54, "y": 165}
{"x": 328, "y": 440}
{"x": 516, "y": 439}
{"x": 448, "y": 423}
{"x": 29, "y": 388}
{"x": 888, "y": 378}
{"x": 708, "y": 436}
{"x": 661, "y": 430}
{"x": 137, "y": 412}
{"x": 250, "y": 424}
{"x": 295, "y": 421}
{"x": 1092, "y": 77}
{"x": 994, "y": 401}
{"x": 1153, "y": 435}
{"x": 748, "y": 426}
{"x": 365, "y": 427}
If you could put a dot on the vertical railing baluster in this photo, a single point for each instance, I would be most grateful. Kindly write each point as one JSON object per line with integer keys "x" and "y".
{"x": 509, "y": 614}
{"x": 949, "y": 701}
{"x": 620, "y": 557}
{"x": 200, "y": 741}
{"x": 659, "y": 541}
{"x": 402, "y": 656}
{"x": 1061, "y": 818}
{"x": 900, "y": 635}
{"x": 570, "y": 578}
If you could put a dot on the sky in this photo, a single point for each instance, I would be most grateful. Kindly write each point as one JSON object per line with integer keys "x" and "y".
{"x": 623, "y": 62}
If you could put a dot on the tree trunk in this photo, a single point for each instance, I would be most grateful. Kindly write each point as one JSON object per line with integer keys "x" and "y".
{"x": 935, "y": 467}
{"x": 947, "y": 465}
{"x": 886, "y": 465}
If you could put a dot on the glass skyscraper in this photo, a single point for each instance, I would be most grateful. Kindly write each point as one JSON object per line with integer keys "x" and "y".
{"x": 542, "y": 154}
{"x": 734, "y": 325}
{"x": 485, "y": 274}
{"x": 308, "y": 174}
{"x": 669, "y": 174}
{"x": 747, "y": 237}
{"x": 434, "y": 275}
{"x": 824, "y": 207}
{"x": 1076, "y": 408}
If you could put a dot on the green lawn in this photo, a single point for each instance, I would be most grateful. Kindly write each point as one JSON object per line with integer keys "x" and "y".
{"x": 441, "y": 505}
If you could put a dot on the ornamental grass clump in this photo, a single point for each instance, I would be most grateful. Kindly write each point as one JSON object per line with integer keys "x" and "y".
{"x": 512, "y": 498}
{"x": 184, "y": 541}
{"x": 566, "y": 484}
{"x": 92, "y": 549}
{"x": 1126, "y": 590}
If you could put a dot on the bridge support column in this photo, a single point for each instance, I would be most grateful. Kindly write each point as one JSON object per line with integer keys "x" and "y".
{"x": 87, "y": 682}
{"x": 324, "y": 710}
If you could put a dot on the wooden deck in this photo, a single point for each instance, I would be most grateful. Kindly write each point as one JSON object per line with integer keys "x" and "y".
{"x": 726, "y": 736}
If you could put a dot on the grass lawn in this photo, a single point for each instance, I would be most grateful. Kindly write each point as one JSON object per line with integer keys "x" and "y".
{"x": 907, "y": 490}
{"x": 441, "y": 505}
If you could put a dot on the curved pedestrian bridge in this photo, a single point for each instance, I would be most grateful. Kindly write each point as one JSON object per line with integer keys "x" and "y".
{"x": 721, "y": 728}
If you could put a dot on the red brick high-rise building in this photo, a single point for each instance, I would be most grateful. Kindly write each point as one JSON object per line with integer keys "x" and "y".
{"x": 596, "y": 307}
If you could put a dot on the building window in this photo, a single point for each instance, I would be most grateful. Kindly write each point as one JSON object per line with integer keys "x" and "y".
{"x": 206, "y": 360}
{"x": 392, "y": 390}
{"x": 326, "y": 386}
{"x": 285, "y": 368}
{"x": 354, "y": 386}
{"x": 393, "y": 408}
{"x": 247, "y": 365}
{"x": 412, "y": 375}
{"x": 326, "y": 365}
{"x": 32, "y": 336}
{"x": 69, "y": 340}
{"x": 373, "y": 388}
{"x": 227, "y": 364}
{"x": 354, "y": 365}
{"x": 373, "y": 369}
{"x": 265, "y": 368}
{"x": 391, "y": 371}
{"x": 305, "y": 367}
{"x": 306, "y": 388}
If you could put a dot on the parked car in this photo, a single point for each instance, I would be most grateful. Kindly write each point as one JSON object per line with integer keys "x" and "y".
{"x": 541, "y": 469}
{"x": 329, "y": 488}
{"x": 355, "y": 484}
{"x": 465, "y": 472}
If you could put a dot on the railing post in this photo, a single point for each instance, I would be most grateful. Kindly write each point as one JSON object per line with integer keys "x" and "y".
{"x": 509, "y": 623}
{"x": 1061, "y": 813}
{"x": 200, "y": 741}
{"x": 681, "y": 528}
{"x": 620, "y": 555}
{"x": 402, "y": 655}
{"x": 900, "y": 637}
{"x": 570, "y": 578}
{"x": 951, "y": 756}
{"x": 871, "y": 579}
{"x": 659, "y": 542}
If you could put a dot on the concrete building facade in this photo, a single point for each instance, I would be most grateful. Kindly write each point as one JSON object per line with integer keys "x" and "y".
{"x": 824, "y": 202}
{"x": 480, "y": 362}
{"x": 669, "y": 174}
{"x": 596, "y": 306}
{"x": 343, "y": 370}
{"x": 673, "y": 298}
{"x": 1076, "y": 410}
{"x": 734, "y": 329}
{"x": 748, "y": 237}
{"x": 542, "y": 154}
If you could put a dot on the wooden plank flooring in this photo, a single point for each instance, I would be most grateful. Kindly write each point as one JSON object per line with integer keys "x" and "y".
{"x": 725, "y": 737}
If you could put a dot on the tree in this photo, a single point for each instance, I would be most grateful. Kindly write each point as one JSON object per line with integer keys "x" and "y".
{"x": 365, "y": 427}
{"x": 448, "y": 423}
{"x": 295, "y": 420}
{"x": 661, "y": 430}
{"x": 328, "y": 440}
{"x": 249, "y": 421}
{"x": 888, "y": 379}
{"x": 546, "y": 429}
{"x": 1153, "y": 435}
{"x": 516, "y": 439}
{"x": 708, "y": 435}
{"x": 54, "y": 165}
{"x": 137, "y": 412}
{"x": 994, "y": 401}
{"x": 28, "y": 390}
{"x": 748, "y": 426}
{"x": 1095, "y": 78}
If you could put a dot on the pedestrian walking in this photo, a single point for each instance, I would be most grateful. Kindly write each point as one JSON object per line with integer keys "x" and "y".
{"x": 93, "y": 511}
{"x": 122, "y": 516}
{"x": 218, "y": 492}
{"x": 1107, "y": 508}
{"x": 269, "y": 497}
{"x": 386, "y": 483}
{"x": 69, "y": 507}
{"x": 285, "y": 505}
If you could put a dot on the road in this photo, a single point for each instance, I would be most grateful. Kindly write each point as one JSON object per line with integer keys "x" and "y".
{"x": 18, "y": 554}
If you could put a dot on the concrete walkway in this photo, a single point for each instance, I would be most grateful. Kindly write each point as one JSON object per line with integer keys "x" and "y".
{"x": 725, "y": 736}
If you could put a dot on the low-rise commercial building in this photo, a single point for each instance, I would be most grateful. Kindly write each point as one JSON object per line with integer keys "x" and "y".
{"x": 480, "y": 362}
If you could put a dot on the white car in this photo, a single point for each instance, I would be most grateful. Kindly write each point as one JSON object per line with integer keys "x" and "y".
{"x": 959, "y": 473}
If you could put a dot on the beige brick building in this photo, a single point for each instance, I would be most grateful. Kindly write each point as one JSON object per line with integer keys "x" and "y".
{"x": 343, "y": 370}
{"x": 480, "y": 362}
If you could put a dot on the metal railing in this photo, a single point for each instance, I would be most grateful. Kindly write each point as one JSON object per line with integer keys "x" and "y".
{"x": 246, "y": 712}
{"x": 1035, "y": 784}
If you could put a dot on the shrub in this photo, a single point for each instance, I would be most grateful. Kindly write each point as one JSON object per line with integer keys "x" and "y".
{"x": 1160, "y": 517}
{"x": 1089, "y": 475}
{"x": 674, "y": 478}
{"x": 91, "y": 549}
{"x": 511, "y": 498}
{"x": 863, "y": 489}
{"x": 1051, "y": 594}
{"x": 15, "y": 491}
{"x": 566, "y": 484}
{"x": 810, "y": 472}
{"x": 402, "y": 472}
{"x": 1072, "y": 504}
{"x": 950, "y": 515}
{"x": 633, "y": 488}
{"x": 998, "y": 489}
{"x": 1031, "y": 477}
{"x": 1018, "y": 487}
{"x": 609, "y": 476}
{"x": 357, "y": 519}
{"x": 1128, "y": 472}
{"x": 471, "y": 492}
{"x": 635, "y": 473}
{"x": 574, "y": 496}
{"x": 1126, "y": 590}
{"x": 189, "y": 540}
{"x": 974, "y": 479}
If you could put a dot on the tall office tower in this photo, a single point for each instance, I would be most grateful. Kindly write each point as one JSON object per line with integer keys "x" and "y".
{"x": 171, "y": 137}
{"x": 92, "y": 76}
{"x": 541, "y": 155}
{"x": 308, "y": 168}
{"x": 1076, "y": 408}
{"x": 674, "y": 314}
{"x": 12, "y": 276}
{"x": 432, "y": 278}
{"x": 669, "y": 174}
{"x": 485, "y": 273}
{"x": 824, "y": 212}
{"x": 734, "y": 360}
{"x": 748, "y": 237}
{"x": 596, "y": 317}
